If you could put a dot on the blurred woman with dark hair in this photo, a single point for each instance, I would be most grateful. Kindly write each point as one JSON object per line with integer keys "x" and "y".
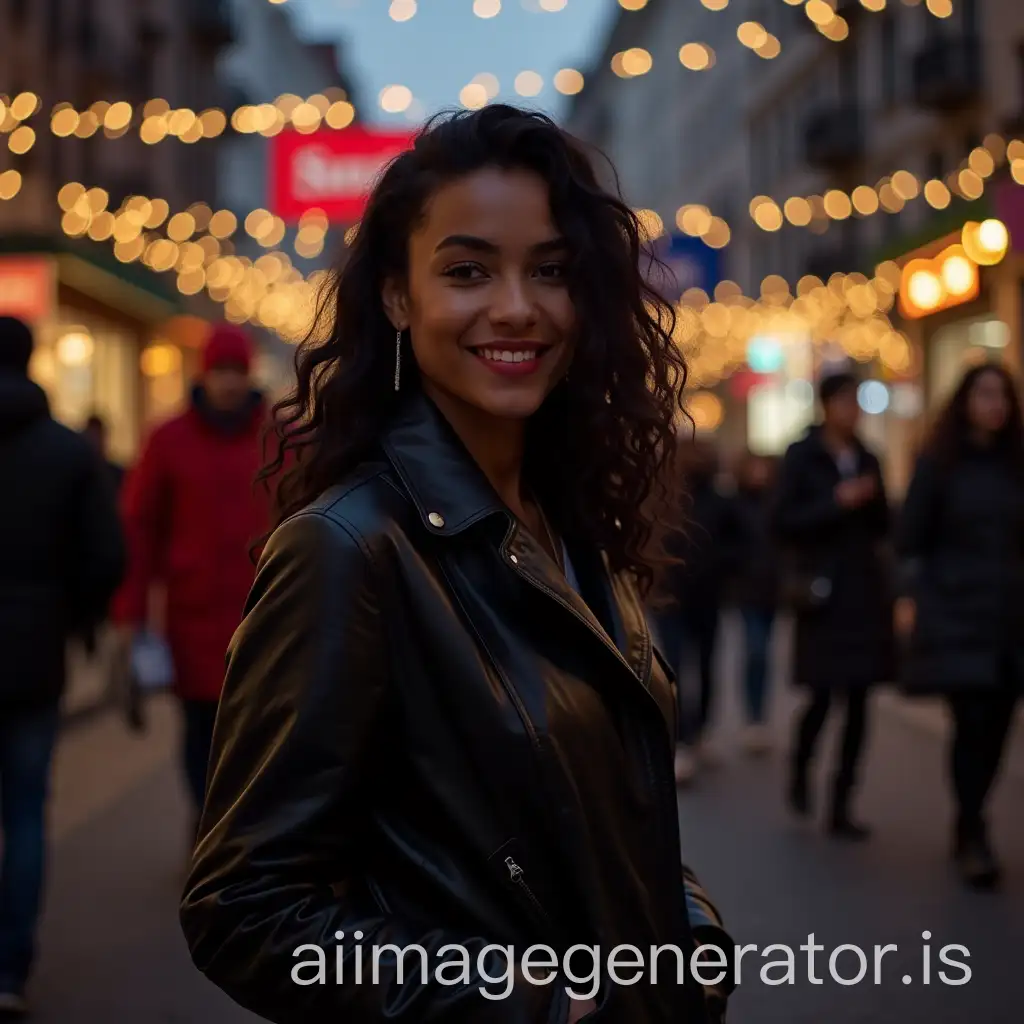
{"x": 444, "y": 727}
{"x": 961, "y": 542}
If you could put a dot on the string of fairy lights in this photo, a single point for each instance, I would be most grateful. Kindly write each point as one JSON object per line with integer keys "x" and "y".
{"x": 270, "y": 291}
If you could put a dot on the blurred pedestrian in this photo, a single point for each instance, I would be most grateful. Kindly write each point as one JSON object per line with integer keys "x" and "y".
{"x": 961, "y": 544}
{"x": 691, "y": 596}
{"x": 832, "y": 513}
{"x": 96, "y": 434}
{"x": 756, "y": 582}
{"x": 442, "y": 724}
{"x": 192, "y": 512}
{"x": 60, "y": 562}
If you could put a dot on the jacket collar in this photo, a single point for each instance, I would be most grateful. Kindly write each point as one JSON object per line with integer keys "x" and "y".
{"x": 451, "y": 493}
{"x": 448, "y": 488}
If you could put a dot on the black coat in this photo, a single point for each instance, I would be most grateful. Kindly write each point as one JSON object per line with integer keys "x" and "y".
{"x": 62, "y": 557}
{"x": 757, "y": 573}
{"x": 961, "y": 545}
{"x": 848, "y": 641}
{"x": 427, "y": 736}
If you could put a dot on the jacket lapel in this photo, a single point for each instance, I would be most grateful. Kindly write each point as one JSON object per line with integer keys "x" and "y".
{"x": 451, "y": 494}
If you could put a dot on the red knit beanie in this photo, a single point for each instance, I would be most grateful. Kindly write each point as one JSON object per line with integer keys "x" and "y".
{"x": 227, "y": 346}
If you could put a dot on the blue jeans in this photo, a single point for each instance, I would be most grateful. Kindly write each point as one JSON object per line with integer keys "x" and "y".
{"x": 27, "y": 740}
{"x": 757, "y": 625}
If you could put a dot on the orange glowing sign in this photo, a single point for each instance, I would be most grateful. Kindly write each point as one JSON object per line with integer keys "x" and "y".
{"x": 928, "y": 286}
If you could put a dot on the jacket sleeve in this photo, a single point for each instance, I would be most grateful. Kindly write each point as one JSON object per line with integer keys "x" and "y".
{"x": 277, "y": 875}
{"x": 798, "y": 511}
{"x": 916, "y": 527}
{"x": 709, "y": 930}
{"x": 877, "y": 510}
{"x": 99, "y": 547}
{"x": 145, "y": 505}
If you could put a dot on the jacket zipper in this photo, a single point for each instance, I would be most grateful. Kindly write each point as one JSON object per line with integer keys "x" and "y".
{"x": 516, "y": 873}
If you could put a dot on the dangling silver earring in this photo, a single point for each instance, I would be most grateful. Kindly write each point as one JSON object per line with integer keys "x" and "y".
{"x": 398, "y": 360}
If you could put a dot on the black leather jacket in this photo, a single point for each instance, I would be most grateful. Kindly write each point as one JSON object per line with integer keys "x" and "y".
{"x": 427, "y": 737}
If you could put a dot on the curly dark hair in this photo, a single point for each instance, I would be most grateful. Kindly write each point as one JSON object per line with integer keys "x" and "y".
{"x": 599, "y": 447}
{"x": 951, "y": 433}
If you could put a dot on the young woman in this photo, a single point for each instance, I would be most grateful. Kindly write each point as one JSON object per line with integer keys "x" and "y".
{"x": 443, "y": 724}
{"x": 961, "y": 540}
{"x": 756, "y": 586}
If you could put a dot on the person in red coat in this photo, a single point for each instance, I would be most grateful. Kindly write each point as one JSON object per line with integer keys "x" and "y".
{"x": 192, "y": 512}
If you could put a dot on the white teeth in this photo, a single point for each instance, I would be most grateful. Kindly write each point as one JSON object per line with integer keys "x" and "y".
{"x": 507, "y": 356}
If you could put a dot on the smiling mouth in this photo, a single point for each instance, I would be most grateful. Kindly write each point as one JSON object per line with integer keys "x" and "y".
{"x": 520, "y": 356}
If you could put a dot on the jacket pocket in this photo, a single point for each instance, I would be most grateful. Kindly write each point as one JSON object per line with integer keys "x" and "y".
{"x": 510, "y": 863}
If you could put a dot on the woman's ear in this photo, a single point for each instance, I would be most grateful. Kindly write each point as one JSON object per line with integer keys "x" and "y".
{"x": 396, "y": 303}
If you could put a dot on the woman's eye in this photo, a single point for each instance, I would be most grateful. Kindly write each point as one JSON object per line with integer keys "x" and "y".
{"x": 552, "y": 271}
{"x": 465, "y": 272}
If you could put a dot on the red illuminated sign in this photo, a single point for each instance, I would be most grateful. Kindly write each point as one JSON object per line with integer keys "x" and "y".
{"x": 26, "y": 288}
{"x": 333, "y": 171}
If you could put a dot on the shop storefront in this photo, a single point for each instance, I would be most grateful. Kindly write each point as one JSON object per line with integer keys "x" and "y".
{"x": 961, "y": 304}
{"x": 108, "y": 341}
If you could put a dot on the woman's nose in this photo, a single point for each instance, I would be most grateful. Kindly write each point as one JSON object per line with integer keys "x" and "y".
{"x": 512, "y": 303}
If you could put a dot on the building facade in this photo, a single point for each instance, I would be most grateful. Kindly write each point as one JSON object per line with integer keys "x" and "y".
{"x": 112, "y": 336}
{"x": 267, "y": 61}
{"x": 868, "y": 142}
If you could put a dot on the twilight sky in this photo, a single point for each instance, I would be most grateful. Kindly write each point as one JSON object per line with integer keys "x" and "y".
{"x": 445, "y": 45}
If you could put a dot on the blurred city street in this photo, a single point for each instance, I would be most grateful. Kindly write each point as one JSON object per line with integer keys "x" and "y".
{"x": 112, "y": 950}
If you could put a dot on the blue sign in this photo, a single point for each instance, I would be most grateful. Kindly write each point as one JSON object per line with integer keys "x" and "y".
{"x": 691, "y": 264}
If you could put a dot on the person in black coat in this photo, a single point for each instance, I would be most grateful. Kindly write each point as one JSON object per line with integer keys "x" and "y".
{"x": 833, "y": 515}
{"x": 756, "y": 585}
{"x": 60, "y": 563}
{"x": 961, "y": 546}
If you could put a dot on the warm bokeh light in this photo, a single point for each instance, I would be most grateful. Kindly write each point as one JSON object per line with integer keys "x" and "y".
{"x": 958, "y": 275}
{"x": 529, "y": 83}
{"x": 10, "y": 184}
{"x": 752, "y": 34}
{"x": 568, "y": 81}
{"x": 394, "y": 99}
{"x": 694, "y": 220}
{"x": 696, "y": 56}
{"x": 937, "y": 194}
{"x": 473, "y": 96}
{"x": 940, "y": 8}
{"x": 925, "y": 290}
{"x": 770, "y": 48}
{"x": 838, "y": 205}
{"x": 633, "y": 5}
{"x": 798, "y": 211}
{"x": 636, "y": 61}
{"x": 489, "y": 82}
{"x": 486, "y": 8}
{"x": 402, "y": 10}
{"x": 865, "y": 200}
